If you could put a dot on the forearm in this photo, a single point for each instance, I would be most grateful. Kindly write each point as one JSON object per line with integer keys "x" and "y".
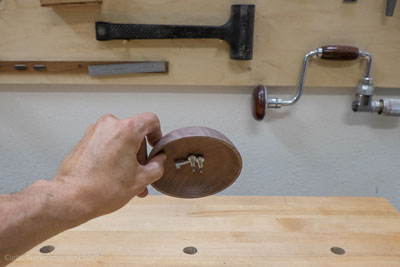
{"x": 32, "y": 216}
{"x": 100, "y": 175}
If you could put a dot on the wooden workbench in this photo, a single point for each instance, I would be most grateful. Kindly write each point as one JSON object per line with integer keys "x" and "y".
{"x": 284, "y": 32}
{"x": 232, "y": 231}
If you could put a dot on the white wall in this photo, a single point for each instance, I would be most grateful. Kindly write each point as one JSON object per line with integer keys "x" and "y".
{"x": 317, "y": 147}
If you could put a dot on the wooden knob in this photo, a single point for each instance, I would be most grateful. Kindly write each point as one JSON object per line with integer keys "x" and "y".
{"x": 340, "y": 52}
{"x": 259, "y": 101}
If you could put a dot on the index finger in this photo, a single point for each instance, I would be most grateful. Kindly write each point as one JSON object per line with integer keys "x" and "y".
{"x": 148, "y": 125}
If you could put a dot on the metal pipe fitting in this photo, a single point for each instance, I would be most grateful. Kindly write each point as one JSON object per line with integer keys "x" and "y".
{"x": 364, "y": 96}
{"x": 389, "y": 107}
{"x": 363, "y": 101}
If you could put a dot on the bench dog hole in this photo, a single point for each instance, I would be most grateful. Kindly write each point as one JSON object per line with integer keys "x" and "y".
{"x": 47, "y": 249}
{"x": 338, "y": 251}
{"x": 190, "y": 250}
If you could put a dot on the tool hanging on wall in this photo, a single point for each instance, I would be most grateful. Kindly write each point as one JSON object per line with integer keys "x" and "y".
{"x": 390, "y": 7}
{"x": 389, "y": 107}
{"x": 55, "y": 3}
{"x": 93, "y": 68}
{"x": 238, "y": 31}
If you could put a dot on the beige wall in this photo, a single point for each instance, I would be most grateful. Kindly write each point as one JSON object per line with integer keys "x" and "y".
{"x": 317, "y": 147}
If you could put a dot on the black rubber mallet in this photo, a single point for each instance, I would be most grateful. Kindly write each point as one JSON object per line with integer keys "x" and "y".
{"x": 238, "y": 31}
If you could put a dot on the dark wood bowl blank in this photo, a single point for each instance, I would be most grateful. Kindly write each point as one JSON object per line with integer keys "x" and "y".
{"x": 222, "y": 165}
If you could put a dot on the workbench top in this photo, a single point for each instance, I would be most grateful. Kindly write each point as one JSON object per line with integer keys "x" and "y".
{"x": 232, "y": 231}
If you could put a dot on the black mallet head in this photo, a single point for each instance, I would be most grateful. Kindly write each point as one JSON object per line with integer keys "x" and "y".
{"x": 239, "y": 32}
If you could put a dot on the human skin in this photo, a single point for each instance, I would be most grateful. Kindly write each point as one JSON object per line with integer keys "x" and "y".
{"x": 104, "y": 171}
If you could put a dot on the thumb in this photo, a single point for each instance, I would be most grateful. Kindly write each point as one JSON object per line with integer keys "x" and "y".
{"x": 154, "y": 169}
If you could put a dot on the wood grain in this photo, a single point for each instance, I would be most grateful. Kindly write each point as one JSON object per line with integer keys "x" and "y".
{"x": 232, "y": 231}
{"x": 284, "y": 32}
{"x": 50, "y": 3}
{"x": 222, "y": 165}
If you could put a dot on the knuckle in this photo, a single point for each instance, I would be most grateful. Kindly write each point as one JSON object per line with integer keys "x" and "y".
{"x": 154, "y": 117}
{"x": 90, "y": 127}
{"x": 40, "y": 183}
{"x": 140, "y": 184}
{"x": 107, "y": 118}
{"x": 143, "y": 183}
{"x": 158, "y": 172}
{"x": 138, "y": 128}
{"x": 128, "y": 127}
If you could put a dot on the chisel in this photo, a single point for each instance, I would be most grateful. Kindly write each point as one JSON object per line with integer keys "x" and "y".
{"x": 93, "y": 68}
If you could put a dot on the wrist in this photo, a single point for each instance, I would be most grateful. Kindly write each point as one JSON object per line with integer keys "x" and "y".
{"x": 60, "y": 204}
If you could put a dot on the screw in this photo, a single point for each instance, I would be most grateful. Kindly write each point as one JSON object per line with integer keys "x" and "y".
{"x": 192, "y": 160}
{"x": 200, "y": 162}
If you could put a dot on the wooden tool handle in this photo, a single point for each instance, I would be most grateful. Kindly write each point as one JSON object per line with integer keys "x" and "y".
{"x": 58, "y": 66}
{"x": 259, "y": 101}
{"x": 110, "y": 31}
{"x": 50, "y": 66}
{"x": 340, "y": 52}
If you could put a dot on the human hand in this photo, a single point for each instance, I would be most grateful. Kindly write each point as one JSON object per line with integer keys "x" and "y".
{"x": 106, "y": 168}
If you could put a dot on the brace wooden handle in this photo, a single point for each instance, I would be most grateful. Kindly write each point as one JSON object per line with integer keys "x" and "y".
{"x": 259, "y": 102}
{"x": 340, "y": 52}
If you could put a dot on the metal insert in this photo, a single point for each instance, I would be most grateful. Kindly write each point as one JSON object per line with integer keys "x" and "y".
{"x": 20, "y": 67}
{"x": 39, "y": 67}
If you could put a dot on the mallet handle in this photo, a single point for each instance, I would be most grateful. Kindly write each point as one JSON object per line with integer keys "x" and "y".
{"x": 110, "y": 31}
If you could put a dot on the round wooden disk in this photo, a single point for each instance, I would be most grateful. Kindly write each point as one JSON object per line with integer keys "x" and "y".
{"x": 222, "y": 164}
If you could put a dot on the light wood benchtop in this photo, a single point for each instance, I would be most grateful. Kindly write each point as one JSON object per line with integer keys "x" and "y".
{"x": 232, "y": 231}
